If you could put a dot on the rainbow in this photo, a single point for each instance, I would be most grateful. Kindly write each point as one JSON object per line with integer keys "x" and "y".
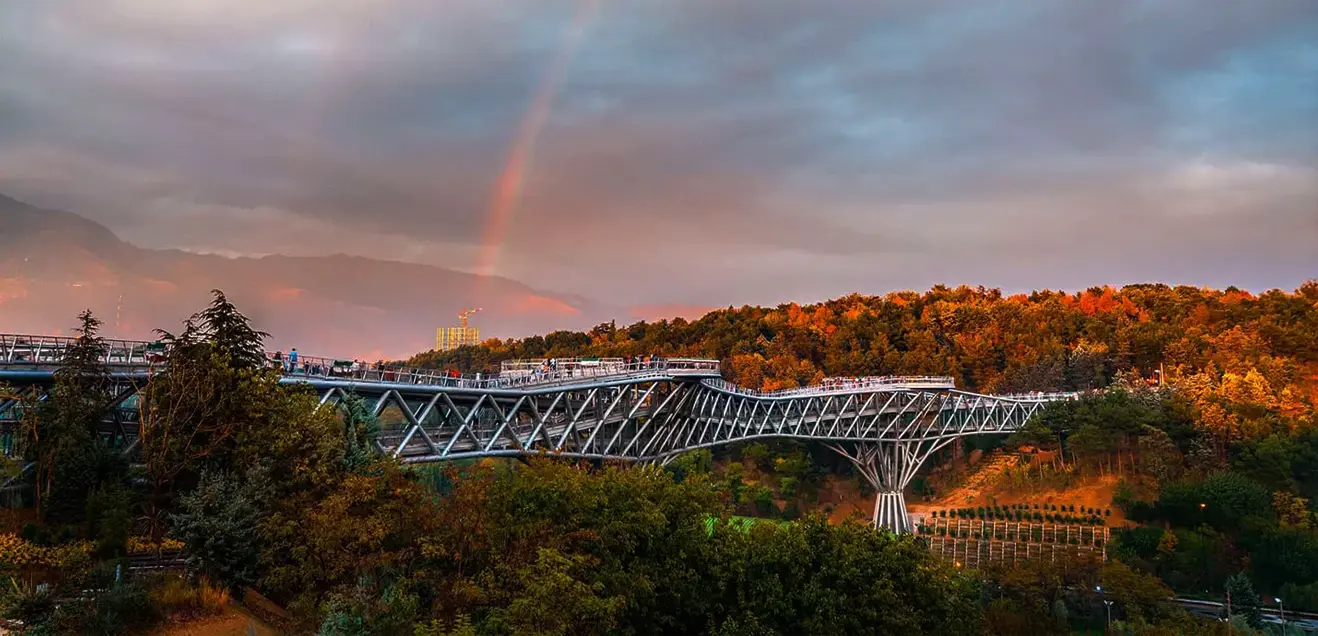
{"x": 508, "y": 191}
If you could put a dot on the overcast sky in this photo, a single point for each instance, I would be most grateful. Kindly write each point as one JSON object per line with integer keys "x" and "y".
{"x": 700, "y": 152}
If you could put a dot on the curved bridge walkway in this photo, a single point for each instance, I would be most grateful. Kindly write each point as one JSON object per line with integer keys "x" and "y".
{"x": 601, "y": 409}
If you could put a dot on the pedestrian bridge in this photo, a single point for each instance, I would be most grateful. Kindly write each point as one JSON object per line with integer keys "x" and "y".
{"x": 651, "y": 410}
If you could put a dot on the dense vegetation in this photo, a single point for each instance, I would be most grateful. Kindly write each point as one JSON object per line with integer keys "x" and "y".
{"x": 1041, "y": 341}
{"x": 1232, "y": 427}
{"x": 270, "y": 490}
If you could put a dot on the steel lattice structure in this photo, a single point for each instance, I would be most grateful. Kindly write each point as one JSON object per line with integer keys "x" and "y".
{"x": 638, "y": 412}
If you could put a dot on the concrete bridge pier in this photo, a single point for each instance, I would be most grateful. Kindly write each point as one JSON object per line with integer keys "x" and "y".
{"x": 888, "y": 466}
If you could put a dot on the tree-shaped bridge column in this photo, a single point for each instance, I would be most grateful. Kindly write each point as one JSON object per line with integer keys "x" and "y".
{"x": 889, "y": 466}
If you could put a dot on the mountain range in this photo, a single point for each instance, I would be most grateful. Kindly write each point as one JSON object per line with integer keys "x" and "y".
{"x": 54, "y": 264}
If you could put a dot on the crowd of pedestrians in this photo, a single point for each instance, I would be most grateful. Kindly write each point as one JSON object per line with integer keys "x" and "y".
{"x": 293, "y": 363}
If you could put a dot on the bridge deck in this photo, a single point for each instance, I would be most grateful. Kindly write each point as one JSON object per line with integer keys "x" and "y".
{"x": 25, "y": 354}
{"x": 608, "y": 409}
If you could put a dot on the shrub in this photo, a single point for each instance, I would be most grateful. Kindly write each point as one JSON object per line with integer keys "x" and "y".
{"x": 174, "y": 595}
{"x": 123, "y": 608}
{"x": 218, "y": 522}
{"x": 788, "y": 486}
{"x": 16, "y": 552}
{"x": 756, "y": 452}
{"x": 26, "y": 602}
{"x": 144, "y": 545}
{"x": 108, "y": 519}
{"x": 764, "y": 502}
{"x": 791, "y": 512}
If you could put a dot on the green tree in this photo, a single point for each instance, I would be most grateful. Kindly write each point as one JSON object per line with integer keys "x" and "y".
{"x": 69, "y": 458}
{"x": 212, "y": 394}
{"x": 1244, "y": 600}
{"x": 373, "y": 523}
{"x": 554, "y": 601}
{"x": 187, "y": 411}
{"x": 231, "y": 333}
{"x": 367, "y": 609}
{"x": 361, "y": 429}
{"x": 218, "y": 522}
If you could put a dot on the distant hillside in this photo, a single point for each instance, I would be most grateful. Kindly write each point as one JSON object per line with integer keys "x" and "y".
{"x": 53, "y": 264}
{"x": 987, "y": 341}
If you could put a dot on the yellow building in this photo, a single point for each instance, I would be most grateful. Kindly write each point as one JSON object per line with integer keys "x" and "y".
{"x": 448, "y": 338}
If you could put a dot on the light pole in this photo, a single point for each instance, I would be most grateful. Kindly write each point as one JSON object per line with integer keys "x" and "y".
{"x": 1099, "y": 589}
{"x": 1283, "y": 614}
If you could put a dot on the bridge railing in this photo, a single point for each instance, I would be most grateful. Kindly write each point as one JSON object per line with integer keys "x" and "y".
{"x": 517, "y": 375}
{"x": 50, "y": 350}
{"x": 536, "y": 364}
{"x": 38, "y": 350}
{"x": 846, "y": 385}
{"x": 1039, "y": 396}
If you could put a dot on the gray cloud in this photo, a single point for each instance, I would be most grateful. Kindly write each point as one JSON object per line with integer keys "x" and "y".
{"x": 697, "y": 152}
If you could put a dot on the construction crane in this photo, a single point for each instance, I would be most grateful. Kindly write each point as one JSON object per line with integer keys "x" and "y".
{"x": 463, "y": 315}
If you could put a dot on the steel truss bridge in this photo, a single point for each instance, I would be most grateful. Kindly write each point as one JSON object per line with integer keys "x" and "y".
{"x": 648, "y": 411}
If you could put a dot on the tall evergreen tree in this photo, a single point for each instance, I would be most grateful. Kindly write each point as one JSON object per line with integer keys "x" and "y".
{"x": 231, "y": 332}
{"x": 62, "y": 439}
{"x": 1244, "y": 599}
{"x": 83, "y": 374}
{"x": 360, "y": 430}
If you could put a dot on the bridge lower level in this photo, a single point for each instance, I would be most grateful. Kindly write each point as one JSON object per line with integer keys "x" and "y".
{"x": 648, "y": 411}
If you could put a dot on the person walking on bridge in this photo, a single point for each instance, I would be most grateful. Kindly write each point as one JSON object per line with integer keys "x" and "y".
{"x": 292, "y": 360}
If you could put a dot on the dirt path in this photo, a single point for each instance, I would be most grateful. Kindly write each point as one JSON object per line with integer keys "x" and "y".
{"x": 235, "y": 621}
{"x": 986, "y": 472}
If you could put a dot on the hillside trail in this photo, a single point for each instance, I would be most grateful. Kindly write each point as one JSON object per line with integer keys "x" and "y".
{"x": 234, "y": 621}
{"x": 982, "y": 476}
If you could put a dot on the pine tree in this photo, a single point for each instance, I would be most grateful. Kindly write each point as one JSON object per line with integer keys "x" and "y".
{"x": 82, "y": 373}
{"x": 231, "y": 333}
{"x": 1244, "y": 600}
{"x": 62, "y": 439}
{"x": 360, "y": 430}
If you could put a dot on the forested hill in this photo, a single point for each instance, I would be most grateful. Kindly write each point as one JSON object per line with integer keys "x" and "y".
{"x": 988, "y": 341}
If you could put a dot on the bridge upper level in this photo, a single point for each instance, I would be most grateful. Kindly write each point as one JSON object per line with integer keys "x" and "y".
{"x": 27, "y": 352}
{"x": 135, "y": 357}
{"x": 650, "y": 410}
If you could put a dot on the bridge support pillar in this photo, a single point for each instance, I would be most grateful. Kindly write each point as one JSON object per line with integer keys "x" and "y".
{"x": 890, "y": 512}
{"x": 888, "y": 467}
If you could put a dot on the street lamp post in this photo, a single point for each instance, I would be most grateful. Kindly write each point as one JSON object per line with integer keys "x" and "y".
{"x": 1099, "y": 589}
{"x": 1283, "y": 614}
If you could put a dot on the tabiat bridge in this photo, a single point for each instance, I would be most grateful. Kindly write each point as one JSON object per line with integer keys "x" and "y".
{"x": 590, "y": 408}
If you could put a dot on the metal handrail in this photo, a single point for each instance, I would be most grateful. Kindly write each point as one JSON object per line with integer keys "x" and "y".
{"x": 18, "y": 349}
{"x": 338, "y": 369}
{"x": 845, "y": 385}
{"x": 1039, "y": 396}
{"x": 26, "y": 349}
{"x": 49, "y": 350}
{"x": 532, "y": 364}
